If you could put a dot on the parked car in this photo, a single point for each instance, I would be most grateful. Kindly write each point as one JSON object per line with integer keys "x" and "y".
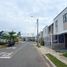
{"x": 11, "y": 43}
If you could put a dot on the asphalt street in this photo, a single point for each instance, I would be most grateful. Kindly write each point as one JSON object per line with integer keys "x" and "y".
{"x": 22, "y": 55}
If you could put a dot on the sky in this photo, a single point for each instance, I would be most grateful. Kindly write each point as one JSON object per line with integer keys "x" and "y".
{"x": 21, "y": 15}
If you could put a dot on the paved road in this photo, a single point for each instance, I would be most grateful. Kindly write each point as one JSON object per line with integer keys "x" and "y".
{"x": 22, "y": 55}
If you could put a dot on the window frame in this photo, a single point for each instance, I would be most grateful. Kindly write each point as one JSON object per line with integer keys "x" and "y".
{"x": 56, "y": 25}
{"x": 65, "y": 18}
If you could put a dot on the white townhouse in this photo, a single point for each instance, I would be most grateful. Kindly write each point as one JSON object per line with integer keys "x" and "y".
{"x": 45, "y": 35}
{"x": 55, "y": 35}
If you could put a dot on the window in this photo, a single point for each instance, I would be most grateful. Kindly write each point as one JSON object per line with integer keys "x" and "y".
{"x": 56, "y": 25}
{"x": 55, "y": 38}
{"x": 65, "y": 18}
{"x": 61, "y": 38}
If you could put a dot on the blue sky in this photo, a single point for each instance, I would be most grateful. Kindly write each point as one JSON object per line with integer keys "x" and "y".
{"x": 16, "y": 14}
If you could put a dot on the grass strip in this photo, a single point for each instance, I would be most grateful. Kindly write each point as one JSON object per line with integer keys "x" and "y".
{"x": 57, "y": 62}
{"x": 65, "y": 54}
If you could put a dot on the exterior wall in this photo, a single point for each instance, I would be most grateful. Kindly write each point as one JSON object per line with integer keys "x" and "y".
{"x": 51, "y": 29}
{"x": 65, "y": 26}
{"x": 45, "y": 34}
{"x": 57, "y": 29}
{"x": 41, "y": 34}
{"x": 58, "y": 46}
{"x": 61, "y": 26}
{"x": 58, "y": 41}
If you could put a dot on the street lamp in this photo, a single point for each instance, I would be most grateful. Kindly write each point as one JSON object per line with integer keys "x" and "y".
{"x": 37, "y": 32}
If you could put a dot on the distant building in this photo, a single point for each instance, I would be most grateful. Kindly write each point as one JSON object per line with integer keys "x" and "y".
{"x": 28, "y": 38}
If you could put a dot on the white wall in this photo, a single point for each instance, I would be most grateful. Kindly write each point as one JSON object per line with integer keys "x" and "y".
{"x": 60, "y": 22}
{"x": 45, "y": 32}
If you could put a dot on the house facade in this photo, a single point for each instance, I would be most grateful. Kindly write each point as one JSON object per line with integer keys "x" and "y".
{"x": 55, "y": 35}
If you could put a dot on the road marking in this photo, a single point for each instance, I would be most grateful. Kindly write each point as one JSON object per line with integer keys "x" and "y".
{"x": 15, "y": 52}
{"x": 6, "y": 55}
{"x": 11, "y": 48}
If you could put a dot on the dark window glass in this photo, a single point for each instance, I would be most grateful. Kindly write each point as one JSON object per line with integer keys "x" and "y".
{"x": 65, "y": 18}
{"x": 61, "y": 38}
{"x": 55, "y": 39}
{"x": 56, "y": 25}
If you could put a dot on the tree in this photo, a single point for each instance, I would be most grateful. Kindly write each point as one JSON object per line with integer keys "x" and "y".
{"x": 19, "y": 34}
{"x": 12, "y": 35}
{"x": 42, "y": 43}
{"x": 5, "y": 36}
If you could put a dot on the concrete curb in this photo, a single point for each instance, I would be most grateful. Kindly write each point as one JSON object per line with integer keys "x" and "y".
{"x": 50, "y": 61}
{"x": 46, "y": 57}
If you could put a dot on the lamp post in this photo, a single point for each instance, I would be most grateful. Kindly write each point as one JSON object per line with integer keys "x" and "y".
{"x": 37, "y": 22}
{"x": 37, "y": 32}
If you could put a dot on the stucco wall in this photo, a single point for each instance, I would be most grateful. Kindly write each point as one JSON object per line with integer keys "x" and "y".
{"x": 65, "y": 26}
{"x": 58, "y": 46}
{"x": 61, "y": 26}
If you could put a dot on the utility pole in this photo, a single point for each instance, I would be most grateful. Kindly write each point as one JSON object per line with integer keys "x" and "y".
{"x": 37, "y": 22}
{"x": 37, "y": 32}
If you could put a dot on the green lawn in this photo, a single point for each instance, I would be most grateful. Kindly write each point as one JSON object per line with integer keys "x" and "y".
{"x": 57, "y": 62}
{"x": 65, "y": 54}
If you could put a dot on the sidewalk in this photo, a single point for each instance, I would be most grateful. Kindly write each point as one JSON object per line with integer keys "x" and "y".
{"x": 45, "y": 50}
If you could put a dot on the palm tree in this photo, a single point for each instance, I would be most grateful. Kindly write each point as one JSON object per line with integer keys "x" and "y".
{"x": 12, "y": 35}
{"x": 12, "y": 38}
{"x": 19, "y": 35}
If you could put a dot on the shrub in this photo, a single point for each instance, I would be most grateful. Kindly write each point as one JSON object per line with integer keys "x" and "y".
{"x": 3, "y": 43}
{"x": 42, "y": 42}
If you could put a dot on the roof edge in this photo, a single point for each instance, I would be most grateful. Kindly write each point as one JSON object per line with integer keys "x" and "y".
{"x": 60, "y": 13}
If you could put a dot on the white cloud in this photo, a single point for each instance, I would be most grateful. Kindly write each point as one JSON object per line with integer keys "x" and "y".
{"x": 16, "y": 14}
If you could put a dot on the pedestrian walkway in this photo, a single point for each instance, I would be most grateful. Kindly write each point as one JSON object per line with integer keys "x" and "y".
{"x": 46, "y": 50}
